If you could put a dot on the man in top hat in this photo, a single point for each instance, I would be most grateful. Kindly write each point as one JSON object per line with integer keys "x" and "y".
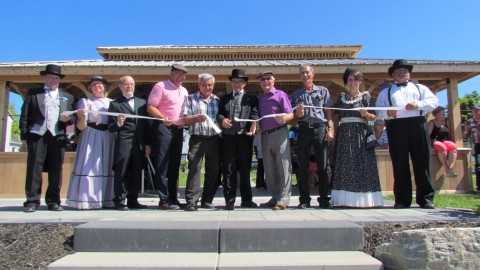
{"x": 471, "y": 131}
{"x": 408, "y": 134}
{"x": 166, "y": 102}
{"x": 43, "y": 130}
{"x": 237, "y": 139}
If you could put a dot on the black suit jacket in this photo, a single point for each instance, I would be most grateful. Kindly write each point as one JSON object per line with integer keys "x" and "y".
{"x": 33, "y": 110}
{"x": 133, "y": 129}
{"x": 248, "y": 105}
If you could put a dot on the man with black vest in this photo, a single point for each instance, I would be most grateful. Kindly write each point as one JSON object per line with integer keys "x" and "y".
{"x": 237, "y": 140}
{"x": 43, "y": 130}
{"x": 408, "y": 134}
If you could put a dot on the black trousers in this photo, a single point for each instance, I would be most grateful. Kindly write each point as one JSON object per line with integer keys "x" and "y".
{"x": 45, "y": 153}
{"x": 476, "y": 150}
{"x": 306, "y": 138}
{"x": 260, "y": 182}
{"x": 409, "y": 137}
{"x": 200, "y": 148}
{"x": 237, "y": 151}
{"x": 128, "y": 175}
{"x": 167, "y": 152}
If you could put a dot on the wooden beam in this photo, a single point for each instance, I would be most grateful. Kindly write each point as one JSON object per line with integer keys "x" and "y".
{"x": 455, "y": 119}
{"x": 4, "y": 95}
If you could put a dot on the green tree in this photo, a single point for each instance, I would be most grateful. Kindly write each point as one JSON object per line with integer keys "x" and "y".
{"x": 16, "y": 119}
{"x": 466, "y": 104}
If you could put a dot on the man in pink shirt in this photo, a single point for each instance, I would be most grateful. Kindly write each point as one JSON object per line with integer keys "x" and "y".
{"x": 166, "y": 102}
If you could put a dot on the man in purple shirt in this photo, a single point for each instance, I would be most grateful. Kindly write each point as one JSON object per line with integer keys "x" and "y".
{"x": 275, "y": 141}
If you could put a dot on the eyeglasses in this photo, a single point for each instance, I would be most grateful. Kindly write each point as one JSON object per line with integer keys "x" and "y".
{"x": 266, "y": 79}
{"x": 96, "y": 84}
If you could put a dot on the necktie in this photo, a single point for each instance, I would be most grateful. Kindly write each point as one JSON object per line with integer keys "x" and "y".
{"x": 401, "y": 84}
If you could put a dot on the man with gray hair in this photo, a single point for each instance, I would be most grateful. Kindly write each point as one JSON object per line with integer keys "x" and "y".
{"x": 315, "y": 129}
{"x": 200, "y": 110}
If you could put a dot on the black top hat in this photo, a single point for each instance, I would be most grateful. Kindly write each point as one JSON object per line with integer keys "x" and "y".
{"x": 52, "y": 69}
{"x": 238, "y": 73}
{"x": 96, "y": 78}
{"x": 399, "y": 64}
{"x": 179, "y": 67}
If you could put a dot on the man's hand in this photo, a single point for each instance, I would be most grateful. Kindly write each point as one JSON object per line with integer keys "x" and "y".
{"x": 411, "y": 106}
{"x": 226, "y": 123}
{"x": 64, "y": 117}
{"x": 200, "y": 118}
{"x": 280, "y": 119}
{"x": 299, "y": 111}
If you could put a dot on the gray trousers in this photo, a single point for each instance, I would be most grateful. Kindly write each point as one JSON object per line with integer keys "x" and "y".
{"x": 277, "y": 164}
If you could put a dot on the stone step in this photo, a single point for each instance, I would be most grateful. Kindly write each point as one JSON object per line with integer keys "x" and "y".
{"x": 327, "y": 260}
{"x": 218, "y": 236}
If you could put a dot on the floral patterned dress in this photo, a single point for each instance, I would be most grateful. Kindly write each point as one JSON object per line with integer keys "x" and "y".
{"x": 355, "y": 176}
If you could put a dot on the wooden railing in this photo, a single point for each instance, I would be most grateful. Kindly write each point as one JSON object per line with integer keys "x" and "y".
{"x": 13, "y": 167}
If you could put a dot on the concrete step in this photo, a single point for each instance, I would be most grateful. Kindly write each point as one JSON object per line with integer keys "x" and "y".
{"x": 218, "y": 236}
{"x": 327, "y": 260}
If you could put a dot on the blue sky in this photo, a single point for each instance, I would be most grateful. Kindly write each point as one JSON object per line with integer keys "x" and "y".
{"x": 71, "y": 30}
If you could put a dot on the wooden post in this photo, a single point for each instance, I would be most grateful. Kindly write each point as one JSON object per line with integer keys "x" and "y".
{"x": 4, "y": 95}
{"x": 455, "y": 119}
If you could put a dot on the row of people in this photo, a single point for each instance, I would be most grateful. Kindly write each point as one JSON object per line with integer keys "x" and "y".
{"x": 355, "y": 176}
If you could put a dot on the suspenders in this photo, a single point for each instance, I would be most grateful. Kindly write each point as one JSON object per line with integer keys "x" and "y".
{"x": 390, "y": 99}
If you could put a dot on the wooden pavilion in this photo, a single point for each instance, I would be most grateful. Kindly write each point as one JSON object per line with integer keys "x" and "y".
{"x": 150, "y": 64}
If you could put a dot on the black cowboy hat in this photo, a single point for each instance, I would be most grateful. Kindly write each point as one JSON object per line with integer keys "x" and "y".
{"x": 96, "y": 78}
{"x": 238, "y": 73}
{"x": 52, "y": 69}
{"x": 399, "y": 64}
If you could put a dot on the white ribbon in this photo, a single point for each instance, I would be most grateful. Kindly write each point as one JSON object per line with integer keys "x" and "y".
{"x": 209, "y": 120}
{"x": 326, "y": 108}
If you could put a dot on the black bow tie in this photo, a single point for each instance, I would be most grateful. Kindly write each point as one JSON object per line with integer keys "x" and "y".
{"x": 129, "y": 98}
{"x": 401, "y": 84}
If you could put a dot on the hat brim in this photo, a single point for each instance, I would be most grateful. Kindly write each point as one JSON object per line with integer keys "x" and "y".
{"x": 238, "y": 77}
{"x": 392, "y": 68}
{"x": 43, "y": 73}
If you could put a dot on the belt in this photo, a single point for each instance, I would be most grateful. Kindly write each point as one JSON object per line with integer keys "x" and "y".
{"x": 98, "y": 127}
{"x": 175, "y": 127}
{"x": 270, "y": 131}
{"x": 352, "y": 120}
{"x": 310, "y": 125}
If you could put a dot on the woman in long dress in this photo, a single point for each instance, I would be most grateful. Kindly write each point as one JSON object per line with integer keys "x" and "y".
{"x": 91, "y": 182}
{"x": 355, "y": 176}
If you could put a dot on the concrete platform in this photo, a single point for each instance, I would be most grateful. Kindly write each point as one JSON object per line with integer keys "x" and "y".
{"x": 344, "y": 260}
{"x": 11, "y": 212}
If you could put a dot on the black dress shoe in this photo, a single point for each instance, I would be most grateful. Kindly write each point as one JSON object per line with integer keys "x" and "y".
{"x": 303, "y": 206}
{"x": 191, "y": 207}
{"x": 400, "y": 206}
{"x": 121, "y": 207}
{"x": 208, "y": 205}
{"x": 249, "y": 204}
{"x": 136, "y": 205}
{"x": 230, "y": 207}
{"x": 54, "y": 207}
{"x": 428, "y": 205}
{"x": 30, "y": 208}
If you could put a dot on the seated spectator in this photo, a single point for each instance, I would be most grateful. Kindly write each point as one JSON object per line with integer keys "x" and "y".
{"x": 441, "y": 142}
{"x": 380, "y": 134}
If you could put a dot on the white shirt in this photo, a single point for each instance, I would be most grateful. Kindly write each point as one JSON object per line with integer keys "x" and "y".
{"x": 401, "y": 96}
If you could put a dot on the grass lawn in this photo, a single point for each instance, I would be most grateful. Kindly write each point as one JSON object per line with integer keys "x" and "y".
{"x": 467, "y": 201}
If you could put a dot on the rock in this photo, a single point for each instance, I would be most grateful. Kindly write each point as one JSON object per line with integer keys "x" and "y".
{"x": 439, "y": 248}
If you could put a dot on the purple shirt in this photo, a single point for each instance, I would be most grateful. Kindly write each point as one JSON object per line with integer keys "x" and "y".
{"x": 274, "y": 102}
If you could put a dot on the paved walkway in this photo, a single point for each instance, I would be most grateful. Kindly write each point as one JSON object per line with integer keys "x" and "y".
{"x": 11, "y": 212}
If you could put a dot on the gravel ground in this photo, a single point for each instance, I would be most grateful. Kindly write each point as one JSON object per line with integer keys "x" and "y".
{"x": 35, "y": 246}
